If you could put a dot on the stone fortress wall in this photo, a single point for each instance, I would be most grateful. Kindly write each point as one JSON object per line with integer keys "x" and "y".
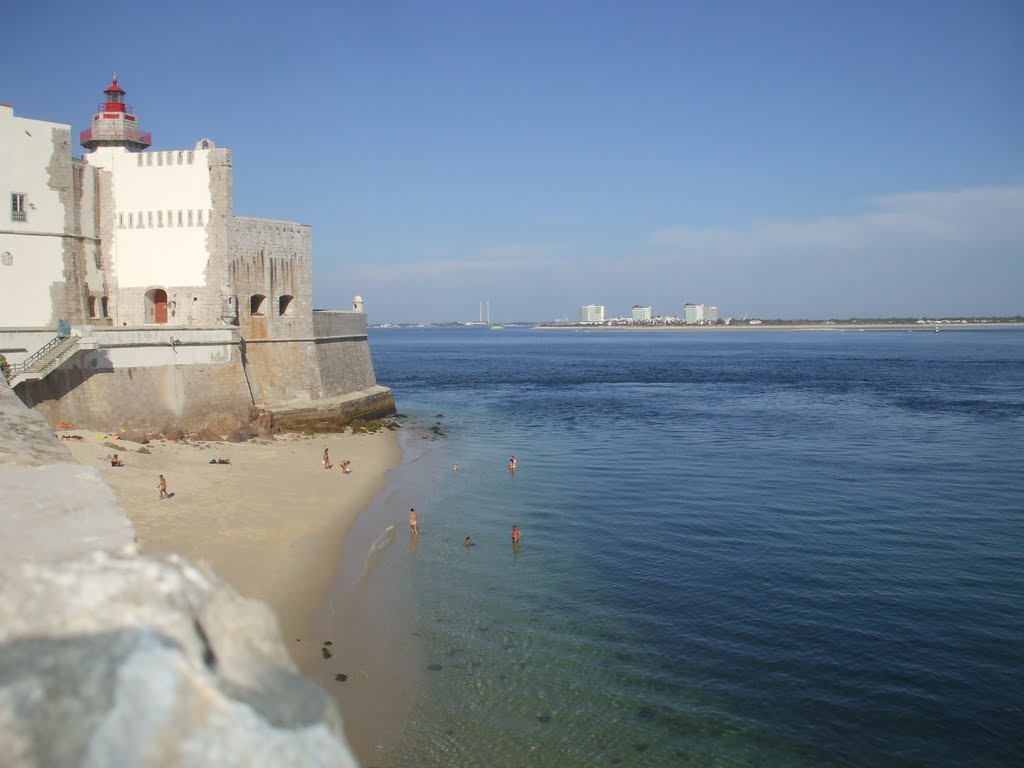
{"x": 171, "y": 212}
{"x": 156, "y": 378}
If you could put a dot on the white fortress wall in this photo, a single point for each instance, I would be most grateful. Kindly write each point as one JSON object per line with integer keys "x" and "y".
{"x": 31, "y": 251}
{"x": 162, "y": 206}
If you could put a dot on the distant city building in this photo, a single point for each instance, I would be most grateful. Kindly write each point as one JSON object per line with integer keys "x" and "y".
{"x": 641, "y": 314}
{"x": 592, "y": 313}
{"x": 700, "y": 314}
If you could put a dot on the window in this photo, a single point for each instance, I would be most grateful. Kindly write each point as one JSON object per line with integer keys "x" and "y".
{"x": 256, "y": 304}
{"x": 199, "y": 213}
{"x": 92, "y": 306}
{"x": 104, "y": 306}
{"x": 190, "y": 221}
{"x": 131, "y": 220}
{"x": 179, "y": 219}
{"x": 284, "y": 306}
{"x": 159, "y": 218}
{"x": 17, "y": 207}
{"x": 149, "y": 218}
{"x": 120, "y": 220}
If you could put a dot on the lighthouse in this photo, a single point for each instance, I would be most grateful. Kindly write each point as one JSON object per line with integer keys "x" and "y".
{"x": 114, "y": 125}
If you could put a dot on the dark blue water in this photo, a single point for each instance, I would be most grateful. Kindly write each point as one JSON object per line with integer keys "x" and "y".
{"x": 746, "y": 548}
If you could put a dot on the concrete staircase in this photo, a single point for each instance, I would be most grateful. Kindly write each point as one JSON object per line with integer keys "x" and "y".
{"x": 37, "y": 366}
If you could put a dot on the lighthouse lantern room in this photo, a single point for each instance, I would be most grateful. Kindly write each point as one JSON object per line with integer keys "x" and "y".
{"x": 114, "y": 125}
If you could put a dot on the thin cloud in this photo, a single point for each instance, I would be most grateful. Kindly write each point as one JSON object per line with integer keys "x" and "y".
{"x": 915, "y": 253}
{"x": 980, "y": 216}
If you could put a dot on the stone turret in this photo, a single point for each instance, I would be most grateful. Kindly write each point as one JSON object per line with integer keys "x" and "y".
{"x": 114, "y": 125}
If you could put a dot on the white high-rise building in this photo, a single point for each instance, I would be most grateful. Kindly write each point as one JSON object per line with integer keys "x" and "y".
{"x": 700, "y": 314}
{"x": 641, "y": 314}
{"x": 592, "y": 313}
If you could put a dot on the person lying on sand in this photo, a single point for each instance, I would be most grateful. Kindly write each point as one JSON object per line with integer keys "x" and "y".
{"x": 220, "y": 461}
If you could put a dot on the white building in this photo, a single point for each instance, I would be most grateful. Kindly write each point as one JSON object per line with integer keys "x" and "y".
{"x": 132, "y": 264}
{"x": 641, "y": 314}
{"x": 700, "y": 314}
{"x": 592, "y": 313}
{"x": 125, "y": 237}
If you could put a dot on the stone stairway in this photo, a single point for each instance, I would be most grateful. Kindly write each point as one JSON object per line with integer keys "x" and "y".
{"x": 49, "y": 357}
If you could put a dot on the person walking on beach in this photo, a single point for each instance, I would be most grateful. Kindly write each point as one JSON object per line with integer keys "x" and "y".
{"x": 327, "y": 459}
{"x": 162, "y": 487}
{"x": 414, "y": 526}
{"x": 516, "y": 535}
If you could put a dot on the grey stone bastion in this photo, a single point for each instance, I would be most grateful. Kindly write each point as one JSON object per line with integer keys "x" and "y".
{"x": 110, "y": 658}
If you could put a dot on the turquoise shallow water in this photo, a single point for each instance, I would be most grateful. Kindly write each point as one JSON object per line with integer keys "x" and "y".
{"x": 746, "y": 548}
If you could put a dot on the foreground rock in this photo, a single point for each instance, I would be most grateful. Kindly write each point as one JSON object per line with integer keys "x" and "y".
{"x": 112, "y": 659}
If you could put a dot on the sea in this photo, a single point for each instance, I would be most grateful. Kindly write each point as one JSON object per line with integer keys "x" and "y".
{"x": 742, "y": 548}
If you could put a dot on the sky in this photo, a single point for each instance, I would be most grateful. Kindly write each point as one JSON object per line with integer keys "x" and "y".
{"x": 818, "y": 159}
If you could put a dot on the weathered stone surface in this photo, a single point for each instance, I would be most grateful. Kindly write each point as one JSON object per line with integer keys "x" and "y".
{"x": 26, "y": 438}
{"x": 334, "y": 414}
{"x": 110, "y": 660}
{"x": 50, "y": 507}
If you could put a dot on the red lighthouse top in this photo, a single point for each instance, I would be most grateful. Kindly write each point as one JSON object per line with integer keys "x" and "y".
{"x": 114, "y": 125}
{"x": 115, "y": 97}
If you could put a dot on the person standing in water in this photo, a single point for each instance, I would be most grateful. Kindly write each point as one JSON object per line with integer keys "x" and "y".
{"x": 414, "y": 525}
{"x": 516, "y": 535}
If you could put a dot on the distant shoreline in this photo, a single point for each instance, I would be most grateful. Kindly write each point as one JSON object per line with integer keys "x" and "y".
{"x": 924, "y": 327}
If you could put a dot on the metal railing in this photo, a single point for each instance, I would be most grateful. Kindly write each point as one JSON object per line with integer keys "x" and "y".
{"x": 30, "y": 363}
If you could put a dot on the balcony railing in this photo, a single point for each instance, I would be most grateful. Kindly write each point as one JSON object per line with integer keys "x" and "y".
{"x": 121, "y": 132}
{"x": 103, "y": 107}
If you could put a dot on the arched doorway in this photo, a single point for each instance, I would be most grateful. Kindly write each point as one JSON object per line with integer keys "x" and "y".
{"x": 156, "y": 306}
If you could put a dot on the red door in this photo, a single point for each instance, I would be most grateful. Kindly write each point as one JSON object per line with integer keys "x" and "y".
{"x": 159, "y": 306}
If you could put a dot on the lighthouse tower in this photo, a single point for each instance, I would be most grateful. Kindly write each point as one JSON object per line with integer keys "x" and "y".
{"x": 114, "y": 125}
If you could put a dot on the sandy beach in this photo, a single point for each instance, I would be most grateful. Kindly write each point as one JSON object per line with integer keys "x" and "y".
{"x": 272, "y": 522}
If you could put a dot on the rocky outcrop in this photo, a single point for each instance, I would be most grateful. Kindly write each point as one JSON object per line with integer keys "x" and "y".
{"x": 122, "y": 660}
{"x": 110, "y": 658}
